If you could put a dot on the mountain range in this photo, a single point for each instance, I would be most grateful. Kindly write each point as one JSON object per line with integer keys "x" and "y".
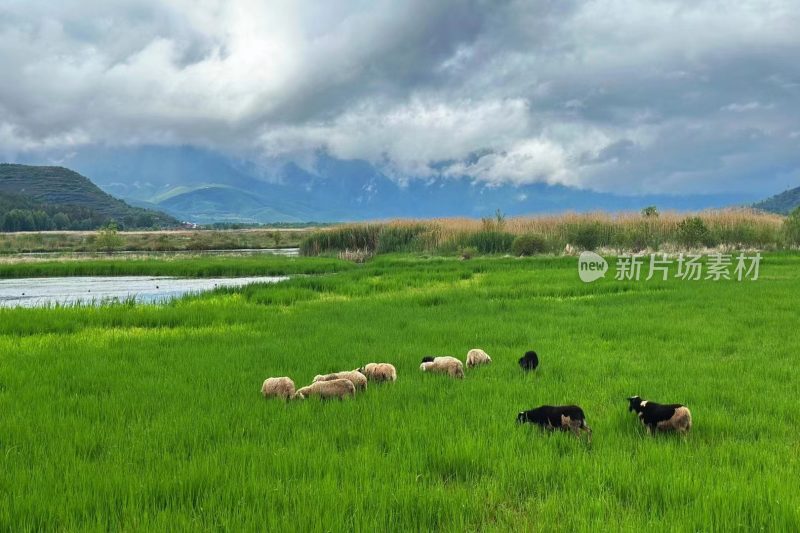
{"x": 47, "y": 197}
{"x": 783, "y": 203}
{"x": 202, "y": 186}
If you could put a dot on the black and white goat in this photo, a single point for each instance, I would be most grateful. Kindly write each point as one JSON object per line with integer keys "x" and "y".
{"x": 656, "y": 416}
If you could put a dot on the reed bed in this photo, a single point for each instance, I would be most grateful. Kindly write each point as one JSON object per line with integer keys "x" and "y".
{"x": 735, "y": 228}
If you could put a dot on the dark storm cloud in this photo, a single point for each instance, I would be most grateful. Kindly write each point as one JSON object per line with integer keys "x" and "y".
{"x": 612, "y": 95}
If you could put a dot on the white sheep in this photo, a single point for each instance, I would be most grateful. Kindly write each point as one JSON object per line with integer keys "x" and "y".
{"x": 476, "y": 357}
{"x": 358, "y": 379}
{"x": 282, "y": 387}
{"x": 379, "y": 372}
{"x": 336, "y": 388}
{"x": 444, "y": 365}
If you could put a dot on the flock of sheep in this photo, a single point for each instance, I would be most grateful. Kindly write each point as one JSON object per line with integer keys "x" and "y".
{"x": 654, "y": 416}
{"x": 336, "y": 385}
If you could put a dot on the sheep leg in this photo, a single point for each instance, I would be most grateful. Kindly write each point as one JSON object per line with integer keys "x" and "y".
{"x": 588, "y": 431}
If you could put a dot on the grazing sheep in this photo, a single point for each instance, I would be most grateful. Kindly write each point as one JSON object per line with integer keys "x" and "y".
{"x": 656, "y": 416}
{"x": 444, "y": 365}
{"x": 336, "y": 388}
{"x": 529, "y": 361}
{"x": 282, "y": 387}
{"x": 563, "y": 417}
{"x": 476, "y": 357}
{"x": 358, "y": 379}
{"x": 379, "y": 372}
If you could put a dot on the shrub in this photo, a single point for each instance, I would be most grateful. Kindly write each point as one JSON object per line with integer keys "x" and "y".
{"x": 491, "y": 242}
{"x": 650, "y": 212}
{"x": 791, "y": 227}
{"x": 468, "y": 253}
{"x": 358, "y": 237}
{"x": 496, "y": 223}
{"x": 61, "y": 221}
{"x": 637, "y": 236}
{"x": 403, "y": 238}
{"x": 356, "y": 256}
{"x": 528, "y": 244}
{"x": 740, "y": 233}
{"x": 692, "y": 231}
{"x": 588, "y": 235}
{"x": 107, "y": 238}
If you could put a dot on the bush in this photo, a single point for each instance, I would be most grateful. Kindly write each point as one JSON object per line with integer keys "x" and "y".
{"x": 491, "y": 242}
{"x": 791, "y": 227}
{"x": 356, "y": 256}
{"x": 107, "y": 238}
{"x": 61, "y": 221}
{"x": 360, "y": 237}
{"x": 637, "y": 237}
{"x": 468, "y": 253}
{"x": 405, "y": 238}
{"x": 528, "y": 244}
{"x": 692, "y": 231}
{"x": 650, "y": 212}
{"x": 742, "y": 233}
{"x": 496, "y": 223}
{"x": 588, "y": 236}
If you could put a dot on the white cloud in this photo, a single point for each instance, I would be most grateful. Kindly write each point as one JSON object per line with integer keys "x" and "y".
{"x": 607, "y": 94}
{"x": 410, "y": 138}
{"x": 746, "y": 106}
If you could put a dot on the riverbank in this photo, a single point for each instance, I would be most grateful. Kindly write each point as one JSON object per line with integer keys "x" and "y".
{"x": 175, "y": 265}
{"x": 151, "y": 241}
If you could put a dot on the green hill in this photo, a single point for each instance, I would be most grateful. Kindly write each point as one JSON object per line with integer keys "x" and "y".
{"x": 48, "y": 198}
{"x": 220, "y": 203}
{"x": 783, "y": 203}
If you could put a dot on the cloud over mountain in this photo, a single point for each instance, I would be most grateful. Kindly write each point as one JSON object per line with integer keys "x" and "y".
{"x": 610, "y": 95}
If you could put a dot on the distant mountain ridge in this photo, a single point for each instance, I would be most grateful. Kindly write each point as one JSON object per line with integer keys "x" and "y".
{"x": 47, "y": 197}
{"x": 783, "y": 203}
{"x": 202, "y": 186}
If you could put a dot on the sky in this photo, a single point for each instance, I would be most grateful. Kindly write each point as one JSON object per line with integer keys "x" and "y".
{"x": 631, "y": 97}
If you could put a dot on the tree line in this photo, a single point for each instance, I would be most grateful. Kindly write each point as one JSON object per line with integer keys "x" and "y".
{"x": 77, "y": 218}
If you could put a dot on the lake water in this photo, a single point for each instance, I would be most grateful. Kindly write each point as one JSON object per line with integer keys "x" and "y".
{"x": 33, "y": 292}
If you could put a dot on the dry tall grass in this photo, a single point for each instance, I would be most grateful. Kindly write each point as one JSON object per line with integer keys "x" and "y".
{"x": 623, "y": 231}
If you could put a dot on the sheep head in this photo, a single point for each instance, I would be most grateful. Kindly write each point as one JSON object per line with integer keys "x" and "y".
{"x": 633, "y": 403}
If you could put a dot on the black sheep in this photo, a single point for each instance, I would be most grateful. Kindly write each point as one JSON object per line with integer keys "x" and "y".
{"x": 529, "y": 361}
{"x": 563, "y": 417}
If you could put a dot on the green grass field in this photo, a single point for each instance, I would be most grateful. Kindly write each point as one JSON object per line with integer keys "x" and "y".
{"x": 194, "y": 267}
{"x": 146, "y": 418}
